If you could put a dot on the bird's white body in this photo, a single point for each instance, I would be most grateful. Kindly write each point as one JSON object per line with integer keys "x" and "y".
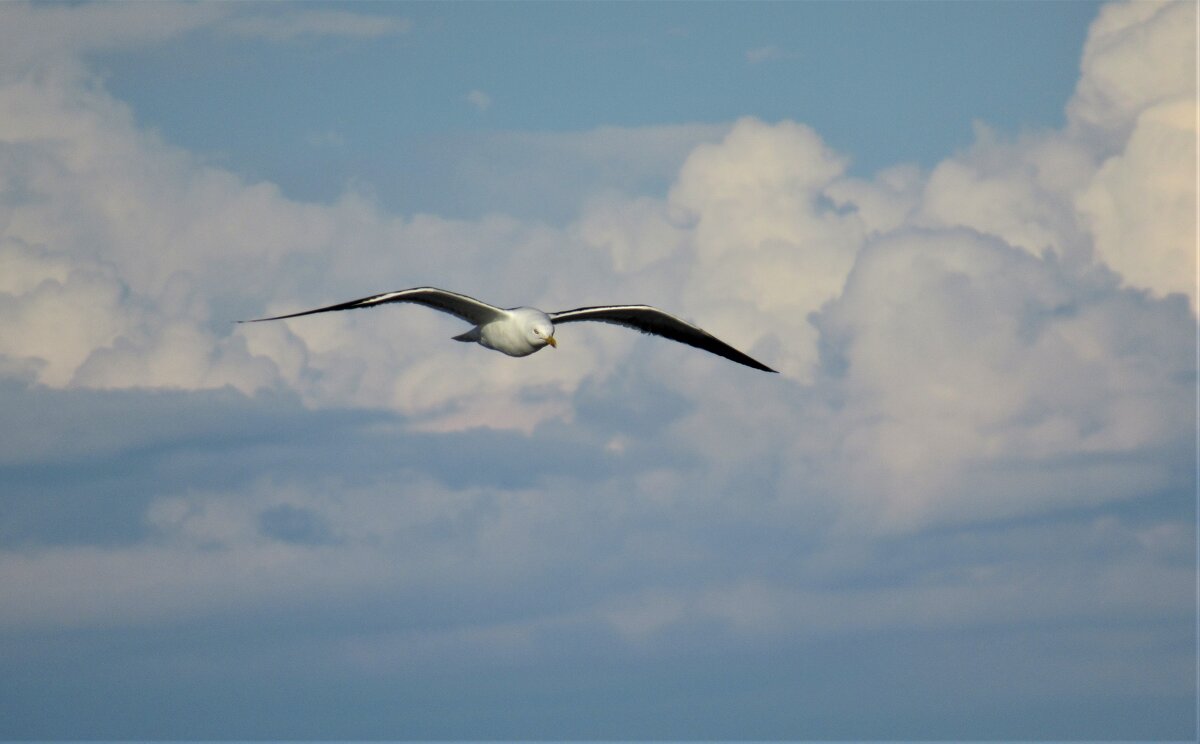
{"x": 524, "y": 331}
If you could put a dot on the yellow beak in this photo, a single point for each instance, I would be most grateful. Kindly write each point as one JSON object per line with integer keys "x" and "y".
{"x": 550, "y": 340}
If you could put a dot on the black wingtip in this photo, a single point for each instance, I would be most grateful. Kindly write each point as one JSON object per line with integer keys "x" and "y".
{"x": 755, "y": 364}
{"x": 720, "y": 348}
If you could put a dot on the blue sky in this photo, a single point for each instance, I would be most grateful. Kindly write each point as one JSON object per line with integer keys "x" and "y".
{"x": 963, "y": 232}
{"x": 392, "y": 113}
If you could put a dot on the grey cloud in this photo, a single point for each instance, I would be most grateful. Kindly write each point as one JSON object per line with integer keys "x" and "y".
{"x": 81, "y": 467}
{"x": 765, "y": 689}
{"x": 630, "y": 402}
{"x": 294, "y": 525}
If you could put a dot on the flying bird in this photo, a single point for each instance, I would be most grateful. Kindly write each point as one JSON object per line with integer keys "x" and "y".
{"x": 520, "y": 331}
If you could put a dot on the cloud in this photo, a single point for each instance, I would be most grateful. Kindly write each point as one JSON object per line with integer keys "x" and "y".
{"x": 479, "y": 100}
{"x": 1141, "y": 206}
{"x": 1137, "y": 56}
{"x": 758, "y": 55}
{"x": 1137, "y": 98}
{"x": 1119, "y": 180}
{"x": 33, "y": 35}
{"x": 293, "y": 24}
{"x": 766, "y": 247}
{"x": 999, "y": 360}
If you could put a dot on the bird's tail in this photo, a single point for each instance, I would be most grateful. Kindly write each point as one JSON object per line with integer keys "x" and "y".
{"x": 470, "y": 336}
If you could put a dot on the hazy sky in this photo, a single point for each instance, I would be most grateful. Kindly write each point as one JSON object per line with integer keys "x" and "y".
{"x": 963, "y": 232}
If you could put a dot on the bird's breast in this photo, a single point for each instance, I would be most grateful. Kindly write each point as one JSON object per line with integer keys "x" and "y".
{"x": 507, "y": 337}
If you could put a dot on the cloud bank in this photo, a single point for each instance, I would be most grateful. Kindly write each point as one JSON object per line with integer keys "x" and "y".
{"x": 986, "y": 414}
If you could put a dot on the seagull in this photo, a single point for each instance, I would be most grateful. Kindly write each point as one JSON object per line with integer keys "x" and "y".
{"x": 520, "y": 331}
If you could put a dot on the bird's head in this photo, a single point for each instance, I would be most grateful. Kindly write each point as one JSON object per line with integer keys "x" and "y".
{"x": 541, "y": 333}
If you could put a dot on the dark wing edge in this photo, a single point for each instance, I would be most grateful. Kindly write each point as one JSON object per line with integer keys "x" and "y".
{"x": 458, "y": 305}
{"x": 657, "y": 322}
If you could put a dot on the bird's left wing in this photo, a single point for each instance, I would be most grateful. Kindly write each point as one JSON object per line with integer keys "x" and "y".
{"x": 651, "y": 320}
{"x": 459, "y": 305}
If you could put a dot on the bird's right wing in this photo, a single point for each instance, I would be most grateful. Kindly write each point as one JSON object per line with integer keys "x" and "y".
{"x": 458, "y": 305}
{"x": 657, "y": 322}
